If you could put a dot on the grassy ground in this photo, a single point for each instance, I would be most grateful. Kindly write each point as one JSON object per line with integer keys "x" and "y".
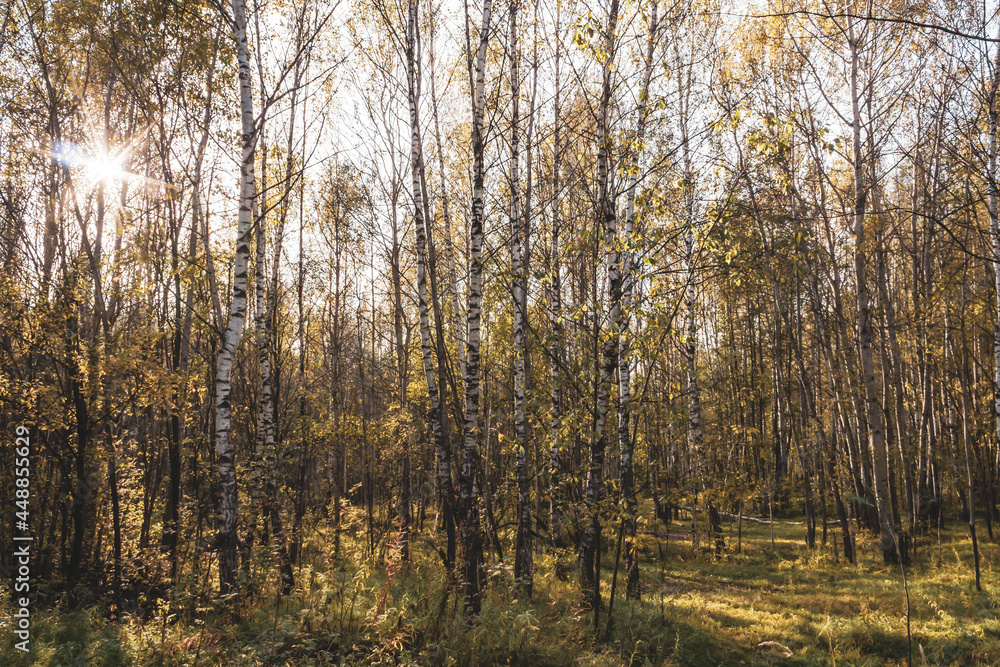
{"x": 763, "y": 606}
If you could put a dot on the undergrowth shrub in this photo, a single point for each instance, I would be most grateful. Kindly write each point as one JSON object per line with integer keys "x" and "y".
{"x": 788, "y": 607}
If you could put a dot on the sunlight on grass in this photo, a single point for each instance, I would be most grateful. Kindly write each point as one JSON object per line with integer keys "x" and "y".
{"x": 785, "y": 606}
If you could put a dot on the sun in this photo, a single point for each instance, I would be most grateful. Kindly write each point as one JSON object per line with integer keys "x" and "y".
{"x": 98, "y": 167}
{"x": 104, "y": 168}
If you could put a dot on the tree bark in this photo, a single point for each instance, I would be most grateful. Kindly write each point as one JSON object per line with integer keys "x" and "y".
{"x": 468, "y": 501}
{"x": 459, "y": 330}
{"x": 225, "y": 451}
{"x": 557, "y": 353}
{"x": 607, "y": 221}
{"x": 993, "y": 188}
{"x": 625, "y": 443}
{"x": 266, "y": 306}
{"x": 421, "y": 223}
{"x": 522, "y": 550}
{"x": 876, "y": 432}
{"x": 694, "y": 435}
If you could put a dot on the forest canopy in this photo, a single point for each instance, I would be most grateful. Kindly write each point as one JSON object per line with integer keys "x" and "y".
{"x": 382, "y": 332}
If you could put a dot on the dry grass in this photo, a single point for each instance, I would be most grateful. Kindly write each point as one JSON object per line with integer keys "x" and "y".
{"x": 763, "y": 606}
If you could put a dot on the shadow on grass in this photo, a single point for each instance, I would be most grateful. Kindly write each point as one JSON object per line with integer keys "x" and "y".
{"x": 70, "y": 639}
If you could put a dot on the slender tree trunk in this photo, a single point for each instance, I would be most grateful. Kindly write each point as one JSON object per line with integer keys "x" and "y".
{"x": 266, "y": 306}
{"x": 607, "y": 221}
{"x": 902, "y": 421}
{"x": 874, "y": 409}
{"x": 404, "y": 408}
{"x": 225, "y": 451}
{"x": 527, "y": 214}
{"x": 459, "y": 329}
{"x": 468, "y": 500}
{"x": 258, "y": 509}
{"x": 994, "y": 210}
{"x": 966, "y": 438}
{"x": 421, "y": 224}
{"x": 625, "y": 443}
{"x": 294, "y": 547}
{"x": 695, "y": 437}
{"x": 522, "y": 551}
{"x": 557, "y": 354}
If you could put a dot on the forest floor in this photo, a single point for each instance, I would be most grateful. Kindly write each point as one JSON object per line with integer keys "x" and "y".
{"x": 784, "y": 605}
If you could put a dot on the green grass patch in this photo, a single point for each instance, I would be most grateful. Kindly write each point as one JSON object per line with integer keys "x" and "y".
{"x": 780, "y": 605}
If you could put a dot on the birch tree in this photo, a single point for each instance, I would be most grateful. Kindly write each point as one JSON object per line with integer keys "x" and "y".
{"x": 419, "y": 222}
{"x": 628, "y": 278}
{"x": 225, "y": 451}
{"x": 607, "y": 222}
{"x": 556, "y": 354}
{"x": 876, "y": 424}
{"x": 467, "y": 512}
{"x": 523, "y": 551}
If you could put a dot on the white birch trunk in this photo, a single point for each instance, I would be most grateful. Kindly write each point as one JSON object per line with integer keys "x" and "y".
{"x": 690, "y": 298}
{"x": 419, "y": 222}
{"x": 468, "y": 502}
{"x": 225, "y": 451}
{"x": 625, "y": 443}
